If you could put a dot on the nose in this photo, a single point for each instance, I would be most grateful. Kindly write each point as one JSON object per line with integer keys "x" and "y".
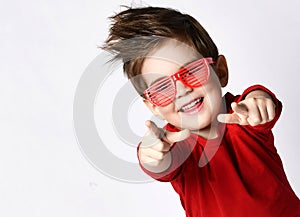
{"x": 182, "y": 89}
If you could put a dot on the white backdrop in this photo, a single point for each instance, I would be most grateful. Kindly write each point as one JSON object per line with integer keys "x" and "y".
{"x": 45, "y": 47}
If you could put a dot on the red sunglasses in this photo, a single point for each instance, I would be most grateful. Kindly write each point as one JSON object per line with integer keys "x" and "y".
{"x": 193, "y": 75}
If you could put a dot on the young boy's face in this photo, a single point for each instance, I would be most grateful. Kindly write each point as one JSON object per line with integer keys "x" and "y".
{"x": 183, "y": 112}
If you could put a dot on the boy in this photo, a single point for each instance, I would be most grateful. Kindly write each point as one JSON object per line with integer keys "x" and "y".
{"x": 217, "y": 152}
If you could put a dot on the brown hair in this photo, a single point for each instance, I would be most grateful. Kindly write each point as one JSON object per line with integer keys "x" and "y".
{"x": 136, "y": 31}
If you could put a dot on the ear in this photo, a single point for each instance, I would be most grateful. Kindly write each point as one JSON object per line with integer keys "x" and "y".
{"x": 153, "y": 109}
{"x": 222, "y": 70}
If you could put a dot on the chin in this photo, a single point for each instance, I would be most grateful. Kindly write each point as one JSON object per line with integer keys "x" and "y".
{"x": 197, "y": 126}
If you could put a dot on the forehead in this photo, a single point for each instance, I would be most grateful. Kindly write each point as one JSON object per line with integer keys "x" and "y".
{"x": 167, "y": 59}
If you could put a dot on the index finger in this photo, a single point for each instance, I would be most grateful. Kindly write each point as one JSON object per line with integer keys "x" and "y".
{"x": 154, "y": 129}
{"x": 228, "y": 118}
{"x": 239, "y": 108}
{"x": 153, "y": 136}
{"x": 167, "y": 136}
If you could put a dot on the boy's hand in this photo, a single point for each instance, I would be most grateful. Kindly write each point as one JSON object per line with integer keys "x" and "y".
{"x": 154, "y": 151}
{"x": 257, "y": 108}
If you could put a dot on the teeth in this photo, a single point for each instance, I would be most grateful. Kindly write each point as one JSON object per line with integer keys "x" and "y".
{"x": 190, "y": 105}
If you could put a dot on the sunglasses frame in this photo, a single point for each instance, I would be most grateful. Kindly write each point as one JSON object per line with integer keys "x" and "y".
{"x": 178, "y": 76}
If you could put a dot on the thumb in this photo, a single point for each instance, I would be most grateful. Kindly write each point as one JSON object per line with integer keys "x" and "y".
{"x": 172, "y": 137}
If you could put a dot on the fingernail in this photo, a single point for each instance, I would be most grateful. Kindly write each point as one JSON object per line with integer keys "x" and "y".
{"x": 221, "y": 118}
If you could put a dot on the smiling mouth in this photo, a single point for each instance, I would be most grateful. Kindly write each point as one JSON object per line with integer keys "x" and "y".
{"x": 193, "y": 106}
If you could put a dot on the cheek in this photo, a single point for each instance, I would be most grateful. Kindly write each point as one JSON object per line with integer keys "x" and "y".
{"x": 213, "y": 87}
{"x": 170, "y": 114}
{"x": 213, "y": 95}
{"x": 213, "y": 78}
{"x": 215, "y": 103}
{"x": 165, "y": 112}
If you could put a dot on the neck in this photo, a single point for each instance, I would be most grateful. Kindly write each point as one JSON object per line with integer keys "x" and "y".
{"x": 210, "y": 132}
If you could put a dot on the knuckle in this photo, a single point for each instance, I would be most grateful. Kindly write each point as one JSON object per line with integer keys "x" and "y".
{"x": 154, "y": 154}
{"x": 271, "y": 117}
{"x": 252, "y": 124}
{"x": 151, "y": 162}
{"x": 144, "y": 152}
{"x": 252, "y": 100}
{"x": 149, "y": 141}
{"x": 269, "y": 101}
{"x": 257, "y": 120}
{"x": 144, "y": 159}
{"x": 160, "y": 156}
{"x": 261, "y": 102}
{"x": 154, "y": 163}
{"x": 159, "y": 146}
{"x": 254, "y": 121}
{"x": 263, "y": 121}
{"x": 271, "y": 104}
{"x": 165, "y": 146}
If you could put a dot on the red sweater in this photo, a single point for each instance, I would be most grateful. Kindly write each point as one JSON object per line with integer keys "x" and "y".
{"x": 238, "y": 174}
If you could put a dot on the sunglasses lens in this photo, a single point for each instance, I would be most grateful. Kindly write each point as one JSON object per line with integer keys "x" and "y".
{"x": 161, "y": 93}
{"x": 195, "y": 74}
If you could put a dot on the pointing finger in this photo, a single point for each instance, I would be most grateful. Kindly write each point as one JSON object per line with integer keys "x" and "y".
{"x": 156, "y": 133}
{"x": 239, "y": 115}
{"x": 151, "y": 138}
{"x": 239, "y": 108}
{"x": 228, "y": 118}
{"x": 154, "y": 129}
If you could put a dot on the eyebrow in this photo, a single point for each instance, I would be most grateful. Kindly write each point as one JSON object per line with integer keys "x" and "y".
{"x": 158, "y": 79}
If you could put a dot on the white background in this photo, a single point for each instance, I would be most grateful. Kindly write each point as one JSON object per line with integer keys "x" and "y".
{"x": 46, "y": 45}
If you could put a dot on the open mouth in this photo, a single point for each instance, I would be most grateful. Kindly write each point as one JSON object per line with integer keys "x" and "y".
{"x": 193, "y": 106}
